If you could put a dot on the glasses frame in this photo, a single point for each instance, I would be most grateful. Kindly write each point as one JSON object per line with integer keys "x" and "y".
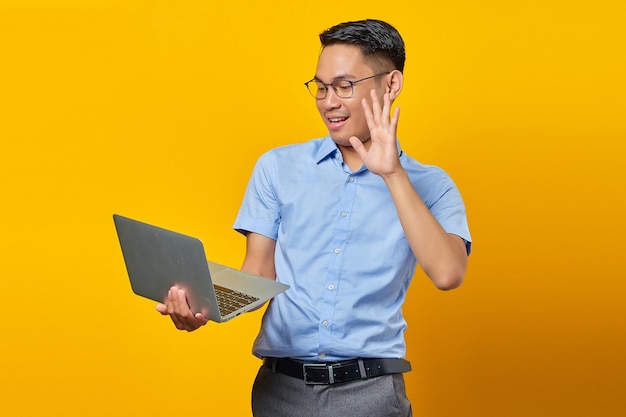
{"x": 352, "y": 83}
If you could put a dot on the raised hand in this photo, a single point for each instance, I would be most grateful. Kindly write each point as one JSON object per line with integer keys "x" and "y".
{"x": 382, "y": 155}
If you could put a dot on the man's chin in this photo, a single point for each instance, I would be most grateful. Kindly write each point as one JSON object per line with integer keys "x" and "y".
{"x": 341, "y": 140}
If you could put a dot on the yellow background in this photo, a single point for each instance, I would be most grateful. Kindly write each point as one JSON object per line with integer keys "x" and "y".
{"x": 158, "y": 110}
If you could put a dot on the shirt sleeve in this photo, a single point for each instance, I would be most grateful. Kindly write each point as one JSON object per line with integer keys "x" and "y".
{"x": 259, "y": 211}
{"x": 449, "y": 209}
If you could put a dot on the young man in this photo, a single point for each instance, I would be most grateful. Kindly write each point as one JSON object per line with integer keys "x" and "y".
{"x": 344, "y": 220}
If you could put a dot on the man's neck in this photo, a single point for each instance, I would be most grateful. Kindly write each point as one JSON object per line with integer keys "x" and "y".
{"x": 351, "y": 158}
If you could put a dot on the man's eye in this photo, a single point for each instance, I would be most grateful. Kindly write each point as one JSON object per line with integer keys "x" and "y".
{"x": 345, "y": 87}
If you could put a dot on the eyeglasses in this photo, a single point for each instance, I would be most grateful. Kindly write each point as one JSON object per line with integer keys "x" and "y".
{"x": 343, "y": 88}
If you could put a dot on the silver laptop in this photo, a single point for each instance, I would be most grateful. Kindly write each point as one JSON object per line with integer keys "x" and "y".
{"x": 157, "y": 259}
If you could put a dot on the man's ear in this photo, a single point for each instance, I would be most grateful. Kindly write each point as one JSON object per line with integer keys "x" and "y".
{"x": 395, "y": 81}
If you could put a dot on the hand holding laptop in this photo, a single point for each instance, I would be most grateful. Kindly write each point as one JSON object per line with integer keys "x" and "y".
{"x": 172, "y": 269}
{"x": 177, "y": 308}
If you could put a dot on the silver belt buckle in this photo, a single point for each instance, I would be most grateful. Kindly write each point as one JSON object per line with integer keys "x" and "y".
{"x": 322, "y": 366}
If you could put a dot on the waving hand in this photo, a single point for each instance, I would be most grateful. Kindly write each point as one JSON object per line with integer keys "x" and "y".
{"x": 382, "y": 156}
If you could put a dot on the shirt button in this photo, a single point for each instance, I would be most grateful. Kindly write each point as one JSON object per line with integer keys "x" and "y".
{"x": 325, "y": 323}
{"x": 351, "y": 179}
{"x": 344, "y": 214}
{"x": 322, "y": 355}
{"x": 331, "y": 287}
{"x": 337, "y": 250}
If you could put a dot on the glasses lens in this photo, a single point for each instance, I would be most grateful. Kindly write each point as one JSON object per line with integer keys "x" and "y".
{"x": 343, "y": 88}
{"x": 317, "y": 89}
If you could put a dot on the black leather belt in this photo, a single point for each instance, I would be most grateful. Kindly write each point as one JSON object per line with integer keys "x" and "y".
{"x": 336, "y": 372}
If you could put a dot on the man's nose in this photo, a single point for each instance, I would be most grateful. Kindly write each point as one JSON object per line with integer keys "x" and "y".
{"x": 332, "y": 100}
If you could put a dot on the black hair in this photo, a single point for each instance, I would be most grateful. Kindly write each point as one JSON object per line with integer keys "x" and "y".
{"x": 374, "y": 38}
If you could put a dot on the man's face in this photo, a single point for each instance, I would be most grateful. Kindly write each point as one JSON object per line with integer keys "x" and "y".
{"x": 344, "y": 117}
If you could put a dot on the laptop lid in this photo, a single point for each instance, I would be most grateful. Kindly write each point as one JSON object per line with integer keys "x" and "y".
{"x": 157, "y": 259}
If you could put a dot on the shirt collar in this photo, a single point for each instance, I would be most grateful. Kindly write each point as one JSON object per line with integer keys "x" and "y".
{"x": 329, "y": 147}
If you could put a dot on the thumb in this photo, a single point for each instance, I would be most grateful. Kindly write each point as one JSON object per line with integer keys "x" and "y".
{"x": 357, "y": 145}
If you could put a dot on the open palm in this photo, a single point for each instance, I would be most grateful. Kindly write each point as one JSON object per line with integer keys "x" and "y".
{"x": 382, "y": 155}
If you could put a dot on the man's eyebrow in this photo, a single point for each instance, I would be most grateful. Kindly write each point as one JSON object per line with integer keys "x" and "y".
{"x": 338, "y": 77}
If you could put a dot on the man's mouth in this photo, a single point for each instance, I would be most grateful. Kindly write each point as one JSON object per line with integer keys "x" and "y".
{"x": 335, "y": 120}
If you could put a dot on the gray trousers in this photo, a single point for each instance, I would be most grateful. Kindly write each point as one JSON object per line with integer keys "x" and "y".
{"x": 278, "y": 395}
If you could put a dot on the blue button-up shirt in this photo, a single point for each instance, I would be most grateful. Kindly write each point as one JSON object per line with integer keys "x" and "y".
{"x": 341, "y": 249}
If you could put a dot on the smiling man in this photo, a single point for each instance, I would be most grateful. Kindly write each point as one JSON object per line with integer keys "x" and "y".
{"x": 344, "y": 220}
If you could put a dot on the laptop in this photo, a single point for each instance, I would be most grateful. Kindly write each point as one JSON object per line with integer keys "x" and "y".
{"x": 157, "y": 259}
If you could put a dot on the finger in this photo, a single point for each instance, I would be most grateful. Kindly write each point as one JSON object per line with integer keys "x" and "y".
{"x": 161, "y": 308}
{"x": 369, "y": 117}
{"x": 177, "y": 301}
{"x": 376, "y": 109}
{"x": 395, "y": 118}
{"x": 201, "y": 319}
{"x": 386, "y": 109}
{"x": 180, "y": 302}
{"x": 171, "y": 301}
{"x": 175, "y": 309}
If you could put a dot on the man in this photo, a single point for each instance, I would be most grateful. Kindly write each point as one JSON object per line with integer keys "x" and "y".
{"x": 344, "y": 220}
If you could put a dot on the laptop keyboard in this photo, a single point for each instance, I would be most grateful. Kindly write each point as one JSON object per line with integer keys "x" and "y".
{"x": 230, "y": 300}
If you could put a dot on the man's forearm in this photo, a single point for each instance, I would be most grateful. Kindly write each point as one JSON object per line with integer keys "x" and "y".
{"x": 441, "y": 255}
